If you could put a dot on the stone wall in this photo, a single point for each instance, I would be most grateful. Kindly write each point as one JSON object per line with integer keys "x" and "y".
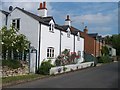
{"x": 6, "y": 71}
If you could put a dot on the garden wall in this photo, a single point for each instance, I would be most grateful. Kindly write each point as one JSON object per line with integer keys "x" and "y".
{"x": 68, "y": 68}
{"x": 6, "y": 71}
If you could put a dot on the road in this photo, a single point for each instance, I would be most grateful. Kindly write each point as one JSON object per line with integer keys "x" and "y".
{"x": 104, "y": 76}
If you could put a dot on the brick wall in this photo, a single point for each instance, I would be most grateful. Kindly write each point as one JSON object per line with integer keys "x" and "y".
{"x": 89, "y": 46}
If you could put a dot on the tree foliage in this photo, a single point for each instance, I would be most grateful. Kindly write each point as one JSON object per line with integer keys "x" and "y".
{"x": 105, "y": 51}
{"x": 13, "y": 42}
{"x": 114, "y": 40}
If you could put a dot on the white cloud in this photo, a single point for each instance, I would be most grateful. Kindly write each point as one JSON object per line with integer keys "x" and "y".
{"x": 98, "y": 18}
{"x": 101, "y": 29}
{"x": 98, "y": 23}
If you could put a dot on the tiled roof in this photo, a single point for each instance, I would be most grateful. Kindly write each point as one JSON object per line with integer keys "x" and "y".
{"x": 46, "y": 20}
{"x": 32, "y": 15}
{"x": 94, "y": 35}
{"x": 4, "y": 12}
{"x": 74, "y": 30}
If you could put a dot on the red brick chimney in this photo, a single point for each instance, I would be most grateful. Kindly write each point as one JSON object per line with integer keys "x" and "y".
{"x": 40, "y": 6}
{"x": 86, "y": 30}
{"x": 44, "y": 5}
{"x": 42, "y": 9}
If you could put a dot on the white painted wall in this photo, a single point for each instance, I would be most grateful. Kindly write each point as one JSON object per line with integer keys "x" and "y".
{"x": 28, "y": 26}
{"x": 79, "y": 46}
{"x": 72, "y": 67}
{"x": 2, "y": 19}
{"x": 49, "y": 39}
{"x": 67, "y": 43}
{"x": 68, "y": 22}
{"x": 113, "y": 52}
{"x": 42, "y": 13}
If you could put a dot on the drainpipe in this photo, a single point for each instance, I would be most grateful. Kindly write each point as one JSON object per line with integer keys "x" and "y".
{"x": 6, "y": 19}
{"x": 60, "y": 43}
{"x": 99, "y": 47}
{"x": 95, "y": 47}
{"x": 39, "y": 45}
{"x": 29, "y": 58}
{"x": 74, "y": 44}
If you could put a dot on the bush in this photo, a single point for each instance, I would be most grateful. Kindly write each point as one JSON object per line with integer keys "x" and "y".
{"x": 104, "y": 59}
{"x": 64, "y": 68}
{"x": 45, "y": 67}
{"x": 14, "y": 64}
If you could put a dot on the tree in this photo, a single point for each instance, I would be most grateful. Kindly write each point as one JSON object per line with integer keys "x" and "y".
{"x": 105, "y": 51}
{"x": 13, "y": 43}
{"x": 114, "y": 40}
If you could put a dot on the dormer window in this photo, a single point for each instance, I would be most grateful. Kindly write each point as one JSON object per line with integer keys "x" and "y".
{"x": 78, "y": 37}
{"x": 51, "y": 26}
{"x": 68, "y": 33}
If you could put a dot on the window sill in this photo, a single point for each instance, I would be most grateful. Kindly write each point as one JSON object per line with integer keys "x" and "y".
{"x": 52, "y": 31}
{"x": 50, "y": 58}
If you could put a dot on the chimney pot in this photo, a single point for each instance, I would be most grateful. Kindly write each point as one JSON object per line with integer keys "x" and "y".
{"x": 85, "y": 30}
{"x": 68, "y": 17}
{"x": 40, "y": 5}
{"x": 42, "y": 9}
{"x": 44, "y": 5}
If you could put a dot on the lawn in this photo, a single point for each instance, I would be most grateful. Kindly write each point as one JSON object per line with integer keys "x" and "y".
{"x": 21, "y": 78}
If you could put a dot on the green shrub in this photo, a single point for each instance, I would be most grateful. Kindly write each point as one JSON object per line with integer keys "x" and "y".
{"x": 104, "y": 59}
{"x": 45, "y": 67}
{"x": 14, "y": 64}
{"x": 64, "y": 68}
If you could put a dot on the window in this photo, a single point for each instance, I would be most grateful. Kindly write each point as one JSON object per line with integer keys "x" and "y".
{"x": 16, "y": 23}
{"x": 78, "y": 37}
{"x": 68, "y": 34}
{"x": 50, "y": 52}
{"x": 51, "y": 27}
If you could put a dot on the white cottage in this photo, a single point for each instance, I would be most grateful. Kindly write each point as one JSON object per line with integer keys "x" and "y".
{"x": 48, "y": 38}
{"x": 3, "y": 18}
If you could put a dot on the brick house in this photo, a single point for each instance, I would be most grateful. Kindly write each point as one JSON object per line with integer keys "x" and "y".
{"x": 92, "y": 43}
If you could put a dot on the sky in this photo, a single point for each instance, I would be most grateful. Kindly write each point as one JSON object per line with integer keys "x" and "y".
{"x": 99, "y": 17}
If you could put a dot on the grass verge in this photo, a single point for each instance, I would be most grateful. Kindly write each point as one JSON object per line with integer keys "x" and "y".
{"x": 18, "y": 79}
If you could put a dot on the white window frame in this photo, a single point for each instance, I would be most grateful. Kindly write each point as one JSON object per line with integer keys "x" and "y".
{"x": 51, "y": 26}
{"x": 78, "y": 37}
{"x": 50, "y": 52}
{"x": 68, "y": 33}
{"x": 16, "y": 23}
